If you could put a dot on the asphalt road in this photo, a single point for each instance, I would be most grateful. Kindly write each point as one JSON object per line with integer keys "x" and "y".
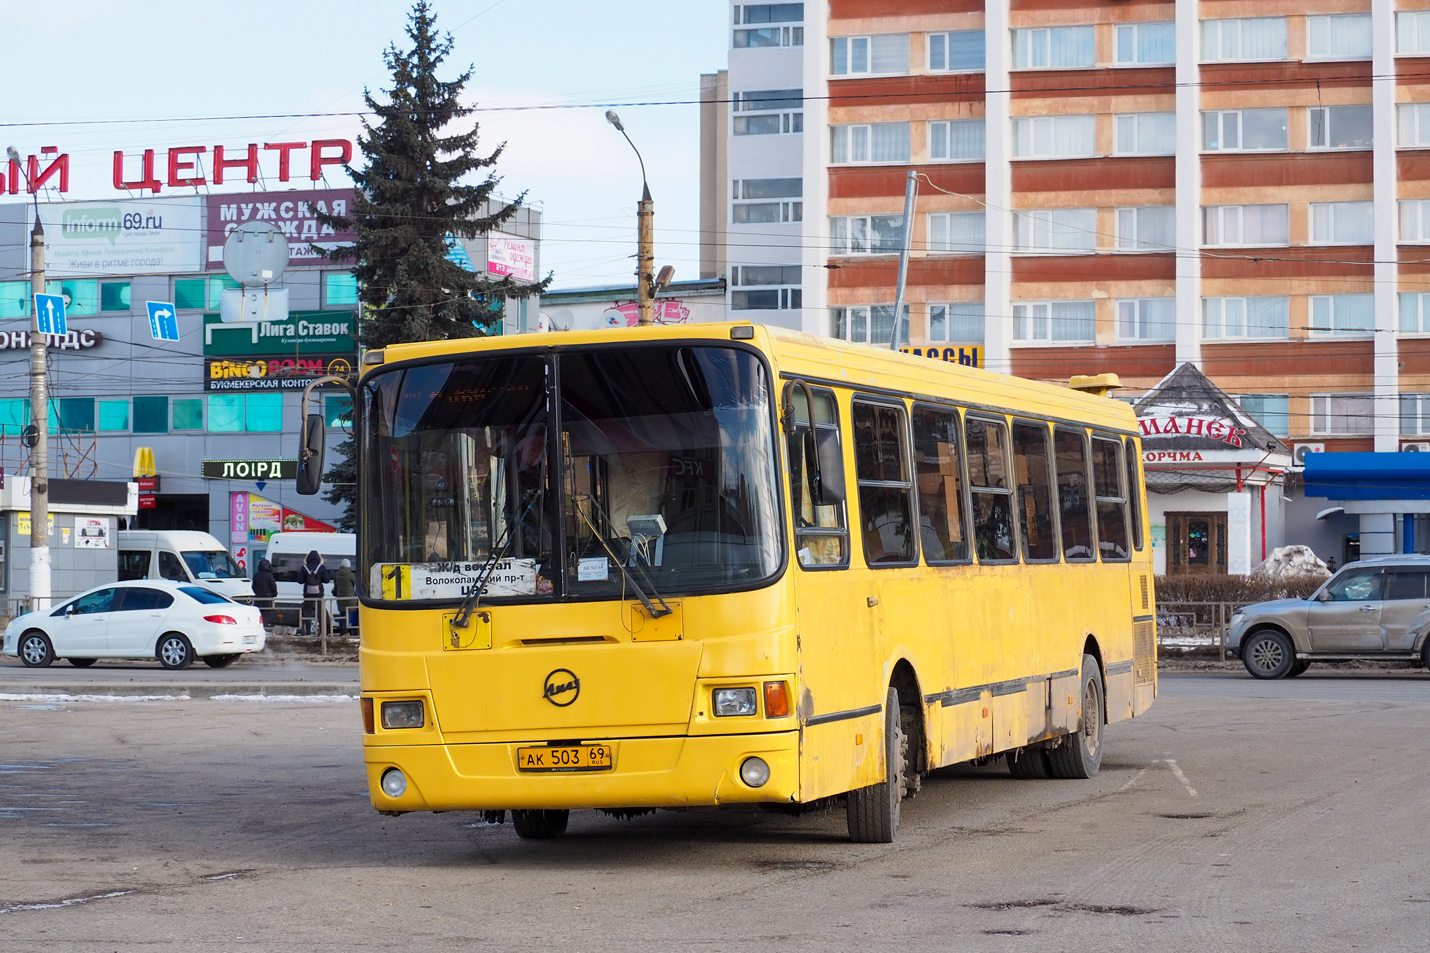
{"x": 1235, "y": 816}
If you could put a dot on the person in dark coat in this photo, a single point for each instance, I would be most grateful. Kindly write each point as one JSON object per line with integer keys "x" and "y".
{"x": 313, "y": 575}
{"x": 345, "y": 591}
{"x": 265, "y": 586}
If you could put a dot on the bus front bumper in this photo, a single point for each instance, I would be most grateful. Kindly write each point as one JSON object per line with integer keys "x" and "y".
{"x": 701, "y": 771}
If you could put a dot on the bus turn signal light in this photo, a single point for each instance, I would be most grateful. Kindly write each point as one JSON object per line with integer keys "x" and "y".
{"x": 776, "y": 700}
{"x": 367, "y": 715}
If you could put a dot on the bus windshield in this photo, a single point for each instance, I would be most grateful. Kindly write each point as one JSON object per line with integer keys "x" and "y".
{"x": 663, "y": 471}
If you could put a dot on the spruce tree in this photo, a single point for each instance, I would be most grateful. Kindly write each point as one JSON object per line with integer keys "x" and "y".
{"x": 420, "y": 186}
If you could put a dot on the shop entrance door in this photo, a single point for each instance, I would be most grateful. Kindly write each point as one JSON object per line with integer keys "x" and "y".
{"x": 1196, "y": 543}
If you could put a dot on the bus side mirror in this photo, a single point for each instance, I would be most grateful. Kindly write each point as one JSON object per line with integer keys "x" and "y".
{"x": 827, "y": 481}
{"x": 310, "y": 455}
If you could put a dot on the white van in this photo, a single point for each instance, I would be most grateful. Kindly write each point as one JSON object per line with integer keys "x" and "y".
{"x": 286, "y": 551}
{"x": 182, "y": 556}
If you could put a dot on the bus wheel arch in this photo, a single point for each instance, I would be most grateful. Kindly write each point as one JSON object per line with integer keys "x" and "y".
{"x": 1090, "y": 647}
{"x": 911, "y": 718}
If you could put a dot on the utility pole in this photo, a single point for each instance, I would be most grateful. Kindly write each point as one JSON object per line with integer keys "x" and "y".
{"x": 909, "y": 192}
{"x": 645, "y": 257}
{"x": 40, "y": 420}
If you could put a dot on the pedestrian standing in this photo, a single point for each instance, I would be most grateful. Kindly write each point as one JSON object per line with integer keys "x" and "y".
{"x": 313, "y": 576}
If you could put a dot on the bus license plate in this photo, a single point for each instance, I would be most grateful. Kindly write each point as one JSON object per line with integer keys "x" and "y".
{"x": 551, "y": 758}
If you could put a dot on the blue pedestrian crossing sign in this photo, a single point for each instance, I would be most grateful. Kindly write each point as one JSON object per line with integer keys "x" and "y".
{"x": 163, "y": 324}
{"x": 51, "y": 311}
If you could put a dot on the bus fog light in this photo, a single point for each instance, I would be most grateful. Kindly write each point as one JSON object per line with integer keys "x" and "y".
{"x": 754, "y": 772}
{"x": 734, "y": 701}
{"x": 402, "y": 714}
{"x": 394, "y": 783}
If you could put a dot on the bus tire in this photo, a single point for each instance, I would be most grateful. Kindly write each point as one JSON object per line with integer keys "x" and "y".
{"x": 539, "y": 825}
{"x": 873, "y": 812}
{"x": 1031, "y": 763}
{"x": 1080, "y": 754}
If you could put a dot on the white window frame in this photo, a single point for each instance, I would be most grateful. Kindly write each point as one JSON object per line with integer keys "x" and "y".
{"x": 946, "y": 34}
{"x": 1045, "y": 311}
{"x": 1328, "y": 113}
{"x": 1130, "y": 227}
{"x": 1135, "y": 311}
{"x": 1047, "y": 219}
{"x": 1223, "y": 212}
{"x": 1334, "y": 25}
{"x": 787, "y": 35}
{"x": 788, "y": 208}
{"x": 942, "y": 311}
{"x": 1334, "y": 303}
{"x": 1132, "y": 30}
{"x": 948, "y": 139}
{"x": 1324, "y": 410}
{"x": 846, "y": 232}
{"x": 1412, "y": 32}
{"x": 1026, "y": 40}
{"x": 1221, "y": 25}
{"x": 1220, "y": 304}
{"x": 1323, "y": 223}
{"x": 1414, "y": 305}
{"x": 946, "y": 221}
{"x": 1032, "y": 128}
{"x": 848, "y": 315}
{"x": 1412, "y": 125}
{"x": 1414, "y": 220}
{"x": 790, "y": 120}
{"x": 1419, "y": 412}
{"x": 848, "y": 129}
{"x": 1130, "y": 126}
{"x": 867, "y": 39}
{"x": 1240, "y": 114}
{"x": 790, "y": 295}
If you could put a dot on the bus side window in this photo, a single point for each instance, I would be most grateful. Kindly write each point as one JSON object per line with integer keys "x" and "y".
{"x": 820, "y": 532}
{"x": 992, "y": 497}
{"x": 1031, "y": 460}
{"x": 1111, "y": 501}
{"x": 1134, "y": 491}
{"x": 1074, "y": 500}
{"x": 938, "y": 468}
{"x": 881, "y": 463}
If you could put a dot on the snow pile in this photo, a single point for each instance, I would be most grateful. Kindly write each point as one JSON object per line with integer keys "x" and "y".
{"x": 1286, "y": 562}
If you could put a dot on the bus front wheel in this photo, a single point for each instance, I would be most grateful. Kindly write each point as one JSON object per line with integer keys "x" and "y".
{"x": 873, "y": 812}
{"x": 1080, "y": 754}
{"x": 539, "y": 825}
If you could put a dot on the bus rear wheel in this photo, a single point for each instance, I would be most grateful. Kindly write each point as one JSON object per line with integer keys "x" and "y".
{"x": 1029, "y": 763}
{"x": 539, "y": 825}
{"x": 1080, "y": 754}
{"x": 873, "y": 812}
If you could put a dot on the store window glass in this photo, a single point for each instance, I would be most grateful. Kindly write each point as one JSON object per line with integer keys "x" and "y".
{"x": 72, "y": 413}
{"x": 114, "y": 296}
{"x": 339, "y": 289}
{"x": 189, "y": 294}
{"x": 217, "y": 284}
{"x": 14, "y": 299}
{"x": 113, "y": 415}
{"x": 14, "y": 414}
{"x": 226, "y": 413}
{"x": 338, "y": 411}
{"x": 81, "y": 295}
{"x": 263, "y": 413}
{"x": 189, "y": 413}
{"x": 151, "y": 415}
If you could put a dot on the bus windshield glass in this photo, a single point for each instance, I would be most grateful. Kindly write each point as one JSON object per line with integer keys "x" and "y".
{"x": 663, "y": 472}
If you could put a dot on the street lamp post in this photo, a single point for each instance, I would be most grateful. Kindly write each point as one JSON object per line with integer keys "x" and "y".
{"x": 645, "y": 236}
{"x": 39, "y": 419}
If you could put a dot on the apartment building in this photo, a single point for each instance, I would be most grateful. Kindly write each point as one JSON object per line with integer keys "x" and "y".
{"x": 1122, "y": 185}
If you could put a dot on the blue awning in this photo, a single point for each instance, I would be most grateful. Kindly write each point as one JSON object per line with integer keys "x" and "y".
{"x": 1368, "y": 476}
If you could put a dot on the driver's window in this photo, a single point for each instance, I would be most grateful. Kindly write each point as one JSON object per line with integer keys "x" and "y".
{"x": 1356, "y": 587}
{"x": 101, "y": 601}
{"x": 821, "y": 536}
{"x": 171, "y": 568}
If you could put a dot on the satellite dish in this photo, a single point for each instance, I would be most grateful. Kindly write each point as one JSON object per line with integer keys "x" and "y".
{"x": 255, "y": 254}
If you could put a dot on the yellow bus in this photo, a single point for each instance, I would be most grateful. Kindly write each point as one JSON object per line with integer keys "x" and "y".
{"x": 728, "y": 565}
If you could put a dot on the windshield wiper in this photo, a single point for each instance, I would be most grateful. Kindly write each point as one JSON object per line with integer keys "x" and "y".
{"x": 655, "y": 613}
{"x": 463, "y": 618}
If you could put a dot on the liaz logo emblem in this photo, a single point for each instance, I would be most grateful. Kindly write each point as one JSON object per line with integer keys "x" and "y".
{"x": 562, "y": 687}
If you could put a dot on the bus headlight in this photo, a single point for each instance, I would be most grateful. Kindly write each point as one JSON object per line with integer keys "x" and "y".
{"x": 734, "y": 701}
{"x": 754, "y": 772}
{"x": 394, "y": 783}
{"x": 402, "y": 714}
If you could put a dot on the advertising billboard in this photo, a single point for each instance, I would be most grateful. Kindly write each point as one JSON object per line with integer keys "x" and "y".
{"x": 291, "y": 212}
{"x": 122, "y": 238}
{"x": 304, "y": 333}
{"x": 514, "y": 257}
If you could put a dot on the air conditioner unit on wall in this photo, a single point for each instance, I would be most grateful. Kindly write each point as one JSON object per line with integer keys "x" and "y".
{"x": 1415, "y": 448}
{"x": 1299, "y": 451}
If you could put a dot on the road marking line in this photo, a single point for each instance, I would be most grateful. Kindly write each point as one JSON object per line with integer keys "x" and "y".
{"x": 1177, "y": 770}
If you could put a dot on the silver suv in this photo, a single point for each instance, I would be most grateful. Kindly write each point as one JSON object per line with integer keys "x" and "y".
{"x": 1378, "y": 608}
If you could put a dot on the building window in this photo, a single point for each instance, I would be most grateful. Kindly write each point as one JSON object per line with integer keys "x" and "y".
{"x": 1413, "y": 125}
{"x": 190, "y": 294}
{"x": 755, "y": 15}
{"x": 1251, "y": 225}
{"x": 957, "y": 140}
{"x": 1338, "y": 127}
{"x": 1054, "y": 137}
{"x": 1259, "y": 317}
{"x": 1269, "y": 410}
{"x": 340, "y": 289}
{"x": 1244, "y": 130}
{"x": 765, "y": 288}
{"x": 1415, "y": 220}
{"x": 1055, "y": 230}
{"x": 875, "y": 142}
{"x": 885, "y": 55}
{"x": 1414, "y": 312}
{"x": 14, "y": 299}
{"x": 960, "y": 233}
{"x": 226, "y": 413}
{"x": 768, "y": 112}
{"x": 1342, "y": 314}
{"x": 956, "y": 322}
{"x": 1146, "y": 44}
{"x": 1345, "y": 37}
{"x": 1044, "y": 322}
{"x": 1256, "y": 38}
{"x": 338, "y": 411}
{"x": 14, "y": 415}
{"x": 1059, "y": 47}
{"x": 218, "y": 284}
{"x": 766, "y": 201}
{"x": 151, "y": 415}
{"x": 188, "y": 413}
{"x": 1147, "y": 228}
{"x": 113, "y": 416}
{"x": 1146, "y": 319}
{"x": 1342, "y": 414}
{"x": 245, "y": 413}
{"x": 114, "y": 296}
{"x": 866, "y": 234}
{"x": 961, "y": 51}
{"x": 1146, "y": 134}
{"x": 1412, "y": 32}
{"x": 869, "y": 324}
{"x": 81, "y": 295}
{"x": 71, "y": 414}
{"x": 1414, "y": 415}
{"x": 1342, "y": 223}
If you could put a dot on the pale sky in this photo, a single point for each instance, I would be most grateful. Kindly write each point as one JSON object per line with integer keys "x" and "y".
{"x": 101, "y": 73}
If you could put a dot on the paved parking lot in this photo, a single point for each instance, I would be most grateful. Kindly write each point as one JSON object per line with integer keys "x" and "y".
{"x": 1236, "y": 815}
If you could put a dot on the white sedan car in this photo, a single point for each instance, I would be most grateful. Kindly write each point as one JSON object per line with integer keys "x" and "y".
{"x": 142, "y": 618}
